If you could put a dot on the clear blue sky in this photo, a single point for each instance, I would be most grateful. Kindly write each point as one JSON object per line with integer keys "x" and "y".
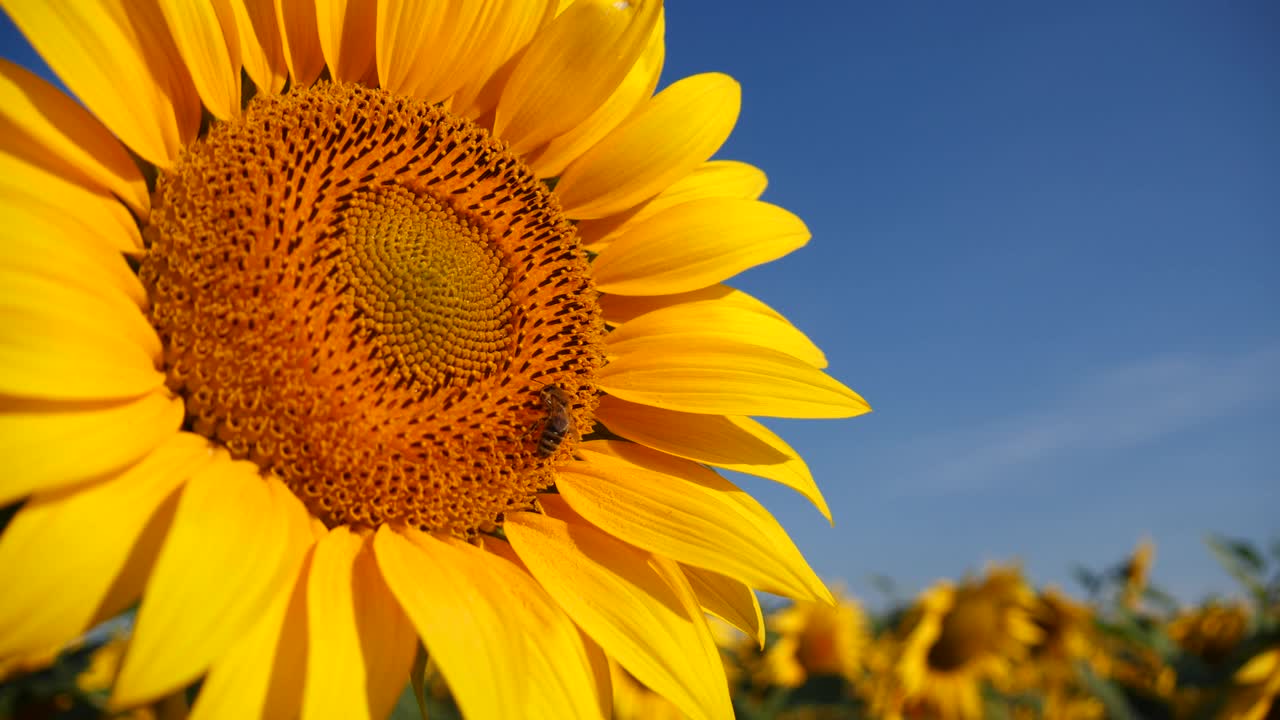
{"x": 1046, "y": 249}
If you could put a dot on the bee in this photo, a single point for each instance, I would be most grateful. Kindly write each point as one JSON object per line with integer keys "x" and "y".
{"x": 558, "y": 423}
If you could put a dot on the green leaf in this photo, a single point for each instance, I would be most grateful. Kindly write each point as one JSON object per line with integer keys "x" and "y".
{"x": 1242, "y": 561}
{"x": 1111, "y": 697}
{"x": 1088, "y": 579}
{"x": 418, "y": 679}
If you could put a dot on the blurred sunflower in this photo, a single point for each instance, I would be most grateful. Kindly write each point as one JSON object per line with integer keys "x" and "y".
{"x": 1134, "y": 574}
{"x": 1066, "y": 638}
{"x": 1066, "y": 628}
{"x": 1256, "y": 685}
{"x": 1211, "y": 632}
{"x": 958, "y": 637}
{"x": 633, "y": 701}
{"x": 100, "y": 674}
{"x": 815, "y": 639}
{"x": 319, "y": 373}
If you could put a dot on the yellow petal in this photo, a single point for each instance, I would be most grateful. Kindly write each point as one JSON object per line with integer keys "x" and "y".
{"x": 260, "y": 676}
{"x": 481, "y": 33}
{"x": 106, "y": 437}
{"x": 634, "y": 90}
{"x": 686, "y": 512}
{"x": 724, "y": 378}
{"x": 406, "y": 30}
{"x": 118, "y": 58}
{"x": 728, "y": 599}
{"x": 461, "y": 616}
{"x": 360, "y": 642}
{"x": 695, "y": 244}
{"x": 600, "y": 671}
{"x": 666, "y": 140}
{"x": 562, "y": 683}
{"x": 37, "y": 191}
{"x": 46, "y": 315}
{"x": 1261, "y": 667}
{"x": 300, "y": 40}
{"x": 36, "y": 245}
{"x": 636, "y": 605}
{"x": 84, "y": 537}
{"x": 733, "y": 443}
{"x": 225, "y": 558}
{"x": 347, "y": 30}
{"x": 206, "y": 39}
{"x": 44, "y": 347}
{"x": 619, "y": 309}
{"x": 498, "y": 48}
{"x": 714, "y": 178}
{"x": 260, "y": 44}
{"x": 714, "y": 320}
{"x": 533, "y": 631}
{"x": 50, "y": 129}
{"x": 571, "y": 67}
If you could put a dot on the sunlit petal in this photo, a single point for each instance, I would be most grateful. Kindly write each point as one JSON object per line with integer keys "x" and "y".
{"x": 572, "y": 66}
{"x": 49, "y": 128}
{"x": 206, "y": 590}
{"x": 686, "y": 512}
{"x": 637, "y": 606}
{"x": 118, "y": 58}
{"x": 726, "y": 378}
{"x": 360, "y": 643}
{"x": 728, "y": 599}
{"x": 696, "y": 244}
{"x": 45, "y": 547}
{"x": 731, "y": 442}
{"x": 665, "y": 140}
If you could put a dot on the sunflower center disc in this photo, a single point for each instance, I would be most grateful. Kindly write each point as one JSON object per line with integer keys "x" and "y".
{"x": 365, "y": 296}
{"x": 967, "y": 632}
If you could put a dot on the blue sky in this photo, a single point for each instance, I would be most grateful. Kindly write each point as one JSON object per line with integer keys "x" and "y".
{"x": 1046, "y": 246}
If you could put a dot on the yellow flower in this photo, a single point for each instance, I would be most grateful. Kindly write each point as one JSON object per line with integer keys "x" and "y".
{"x": 1211, "y": 632}
{"x": 1255, "y": 688}
{"x": 815, "y": 639}
{"x": 434, "y": 344}
{"x": 1066, "y": 638}
{"x": 1066, "y": 627}
{"x": 957, "y": 638}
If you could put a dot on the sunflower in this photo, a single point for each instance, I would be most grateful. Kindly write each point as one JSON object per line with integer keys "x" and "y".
{"x": 1135, "y": 572}
{"x": 1066, "y": 628}
{"x": 815, "y": 639}
{"x": 957, "y": 638}
{"x": 1211, "y": 632}
{"x": 1067, "y": 637}
{"x": 1255, "y": 687}
{"x": 426, "y": 339}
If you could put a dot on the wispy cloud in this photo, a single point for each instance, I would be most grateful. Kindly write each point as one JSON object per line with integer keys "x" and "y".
{"x": 1119, "y": 408}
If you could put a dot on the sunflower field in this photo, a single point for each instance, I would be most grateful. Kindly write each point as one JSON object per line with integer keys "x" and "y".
{"x": 982, "y": 646}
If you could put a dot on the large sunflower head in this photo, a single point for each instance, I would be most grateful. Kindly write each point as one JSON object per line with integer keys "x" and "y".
{"x": 333, "y": 326}
{"x": 959, "y": 636}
